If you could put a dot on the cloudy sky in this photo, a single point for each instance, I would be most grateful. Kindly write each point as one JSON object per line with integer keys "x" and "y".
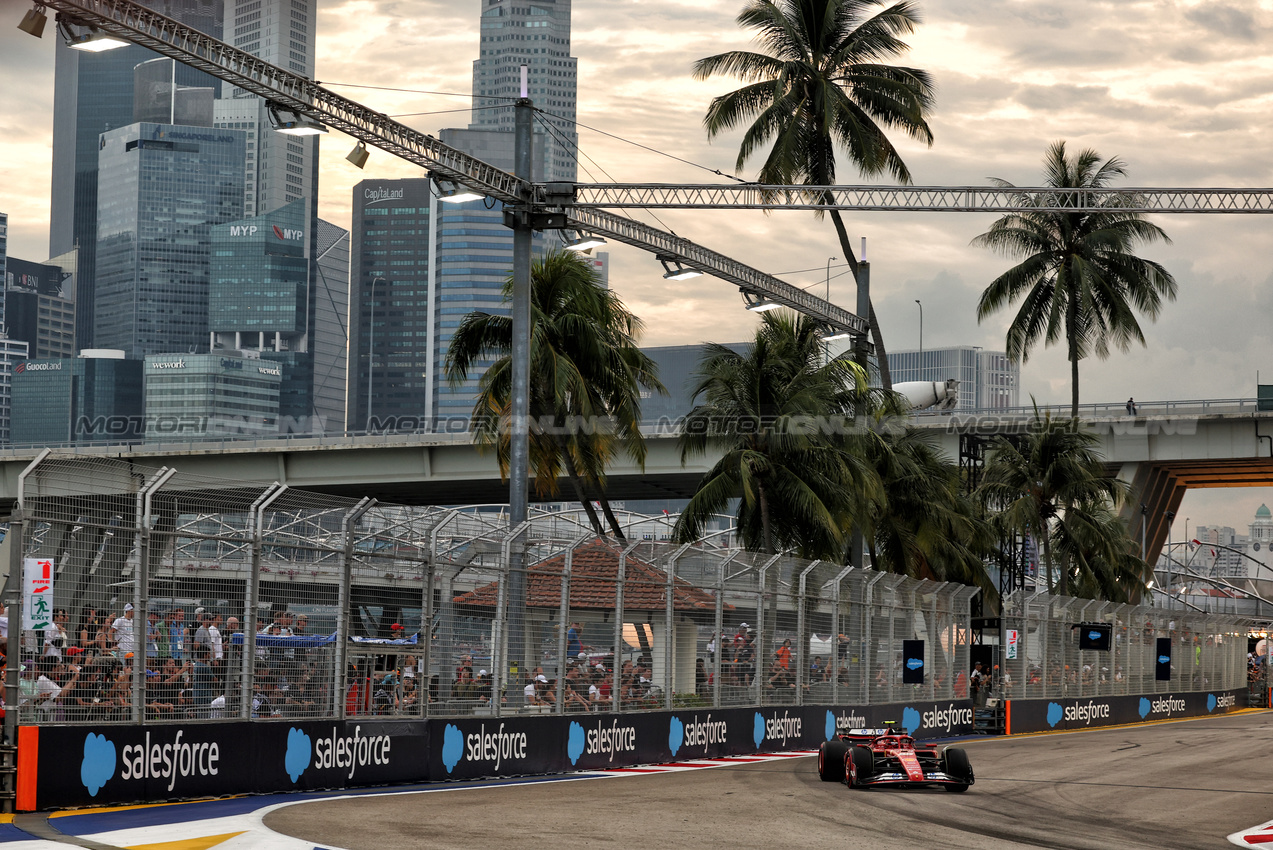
{"x": 1179, "y": 89}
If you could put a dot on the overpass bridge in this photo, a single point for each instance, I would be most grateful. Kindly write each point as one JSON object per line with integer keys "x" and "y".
{"x": 1162, "y": 451}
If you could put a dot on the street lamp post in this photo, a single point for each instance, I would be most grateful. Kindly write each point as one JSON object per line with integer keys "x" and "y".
{"x": 921, "y": 335}
{"x": 371, "y": 351}
{"x": 827, "y": 345}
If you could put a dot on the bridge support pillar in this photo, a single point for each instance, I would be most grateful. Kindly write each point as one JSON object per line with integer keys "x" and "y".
{"x": 1155, "y": 491}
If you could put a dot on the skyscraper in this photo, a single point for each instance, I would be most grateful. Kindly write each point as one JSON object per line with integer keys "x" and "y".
{"x": 280, "y": 168}
{"x": 161, "y": 189}
{"x": 259, "y": 300}
{"x": 536, "y": 35}
{"x": 419, "y": 266}
{"x": 93, "y": 93}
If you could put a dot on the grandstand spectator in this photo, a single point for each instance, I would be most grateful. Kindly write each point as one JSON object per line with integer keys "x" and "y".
{"x": 202, "y": 682}
{"x": 172, "y": 635}
{"x": 88, "y": 630}
{"x": 152, "y": 635}
{"x": 121, "y": 631}
{"x": 702, "y": 682}
{"x": 783, "y": 655}
{"x": 55, "y": 637}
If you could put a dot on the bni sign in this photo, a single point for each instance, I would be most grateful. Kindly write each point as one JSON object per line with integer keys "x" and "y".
{"x": 37, "y": 593}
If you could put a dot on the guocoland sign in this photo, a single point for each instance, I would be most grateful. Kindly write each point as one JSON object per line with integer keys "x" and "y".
{"x": 80, "y": 766}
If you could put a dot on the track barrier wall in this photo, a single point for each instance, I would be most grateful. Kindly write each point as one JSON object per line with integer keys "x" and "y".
{"x": 286, "y": 627}
{"x": 1040, "y": 715}
{"x": 75, "y": 766}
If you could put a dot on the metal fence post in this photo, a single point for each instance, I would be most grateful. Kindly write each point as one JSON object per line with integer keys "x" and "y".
{"x": 802, "y": 646}
{"x": 835, "y": 634}
{"x": 248, "y": 674}
{"x": 669, "y": 631}
{"x": 718, "y": 635}
{"x": 339, "y": 668}
{"x": 141, "y": 593}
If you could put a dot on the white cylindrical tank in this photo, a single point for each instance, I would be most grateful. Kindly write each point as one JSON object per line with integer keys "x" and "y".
{"x": 943, "y": 395}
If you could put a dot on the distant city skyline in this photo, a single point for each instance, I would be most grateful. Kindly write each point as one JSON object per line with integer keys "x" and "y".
{"x": 1175, "y": 90}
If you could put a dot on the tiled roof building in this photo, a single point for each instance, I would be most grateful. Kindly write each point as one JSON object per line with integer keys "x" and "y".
{"x": 594, "y": 575}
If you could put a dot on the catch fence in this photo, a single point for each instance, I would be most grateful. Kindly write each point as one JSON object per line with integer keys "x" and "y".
{"x": 189, "y": 598}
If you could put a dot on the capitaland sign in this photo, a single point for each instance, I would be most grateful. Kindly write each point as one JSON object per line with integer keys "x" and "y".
{"x": 372, "y": 196}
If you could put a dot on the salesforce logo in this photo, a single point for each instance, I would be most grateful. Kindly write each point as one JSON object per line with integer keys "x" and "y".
{"x": 481, "y": 746}
{"x": 1094, "y": 635}
{"x": 452, "y": 747}
{"x": 1145, "y": 707}
{"x": 148, "y": 760}
{"x": 758, "y": 729}
{"x": 603, "y": 740}
{"x": 1223, "y": 702}
{"x": 829, "y": 732}
{"x": 1164, "y": 659}
{"x": 911, "y": 720}
{"x": 914, "y": 663}
{"x": 98, "y": 765}
{"x": 298, "y": 753}
{"x": 1055, "y": 713}
{"x": 696, "y": 733}
{"x": 575, "y": 743}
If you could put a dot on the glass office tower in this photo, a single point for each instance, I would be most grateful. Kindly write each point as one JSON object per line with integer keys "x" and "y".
{"x": 93, "y": 93}
{"x": 161, "y": 190}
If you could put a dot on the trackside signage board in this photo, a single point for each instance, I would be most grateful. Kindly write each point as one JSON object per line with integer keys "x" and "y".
{"x": 110, "y": 765}
{"x": 80, "y": 766}
{"x": 1090, "y": 712}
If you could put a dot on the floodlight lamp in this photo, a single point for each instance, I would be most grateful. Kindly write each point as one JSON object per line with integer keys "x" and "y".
{"x": 459, "y": 195}
{"x": 294, "y": 124}
{"x": 358, "y": 156}
{"x": 673, "y": 270}
{"x": 757, "y": 304}
{"x": 94, "y": 41}
{"x": 585, "y": 243}
{"x": 834, "y": 334}
{"x": 33, "y": 21}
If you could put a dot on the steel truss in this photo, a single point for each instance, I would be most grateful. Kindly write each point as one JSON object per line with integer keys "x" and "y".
{"x": 583, "y": 203}
{"x": 755, "y": 196}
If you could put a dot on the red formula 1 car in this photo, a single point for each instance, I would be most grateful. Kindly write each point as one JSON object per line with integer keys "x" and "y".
{"x": 866, "y": 757}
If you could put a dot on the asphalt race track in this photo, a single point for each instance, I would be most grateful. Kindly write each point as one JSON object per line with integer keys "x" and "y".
{"x": 1183, "y": 785}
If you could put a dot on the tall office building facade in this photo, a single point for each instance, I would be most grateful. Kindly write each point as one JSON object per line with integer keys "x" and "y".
{"x": 988, "y": 380}
{"x": 161, "y": 189}
{"x": 280, "y": 169}
{"x": 94, "y": 93}
{"x": 260, "y": 300}
{"x": 37, "y": 309}
{"x": 4, "y": 254}
{"x": 93, "y": 398}
{"x": 419, "y": 266}
{"x": 537, "y": 35}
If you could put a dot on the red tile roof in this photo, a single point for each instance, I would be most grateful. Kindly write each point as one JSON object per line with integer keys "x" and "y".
{"x": 594, "y": 573}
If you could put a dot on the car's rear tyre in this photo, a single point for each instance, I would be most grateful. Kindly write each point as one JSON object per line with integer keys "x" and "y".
{"x": 831, "y": 761}
{"x": 859, "y": 766}
{"x": 954, "y": 763}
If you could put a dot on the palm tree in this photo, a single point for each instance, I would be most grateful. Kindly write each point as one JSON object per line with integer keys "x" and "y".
{"x": 821, "y": 83}
{"x": 1077, "y": 276}
{"x": 586, "y": 379}
{"x": 780, "y": 415}
{"x": 924, "y": 526}
{"x": 1052, "y": 486}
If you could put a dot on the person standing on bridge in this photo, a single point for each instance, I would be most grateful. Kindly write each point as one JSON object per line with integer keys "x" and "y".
{"x": 1131, "y": 407}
